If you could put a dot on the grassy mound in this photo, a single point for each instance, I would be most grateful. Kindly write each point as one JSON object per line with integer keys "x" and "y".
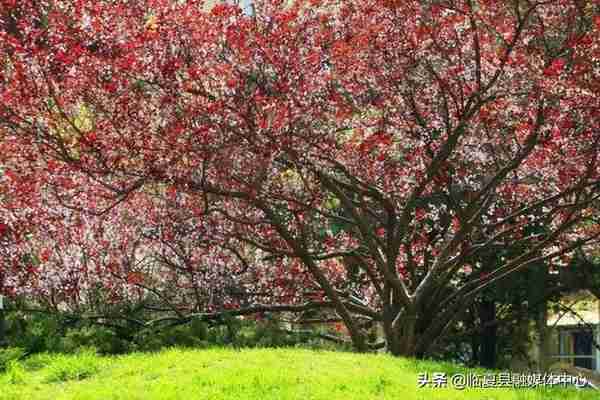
{"x": 246, "y": 374}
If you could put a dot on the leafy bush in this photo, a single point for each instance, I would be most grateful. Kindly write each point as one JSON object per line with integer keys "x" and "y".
{"x": 102, "y": 339}
{"x": 180, "y": 336}
{"x": 82, "y": 366}
{"x": 34, "y": 333}
{"x": 55, "y": 333}
{"x": 9, "y": 355}
{"x": 15, "y": 373}
{"x": 36, "y": 362}
{"x": 40, "y": 332}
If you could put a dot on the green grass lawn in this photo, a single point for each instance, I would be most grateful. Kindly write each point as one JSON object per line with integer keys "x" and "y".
{"x": 245, "y": 374}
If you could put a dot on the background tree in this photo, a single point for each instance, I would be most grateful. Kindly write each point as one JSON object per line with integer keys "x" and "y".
{"x": 437, "y": 131}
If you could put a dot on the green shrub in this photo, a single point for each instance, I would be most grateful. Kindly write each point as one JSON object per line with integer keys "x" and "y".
{"x": 199, "y": 329}
{"x": 269, "y": 334}
{"x": 57, "y": 333}
{"x": 102, "y": 339}
{"x": 9, "y": 355}
{"x": 36, "y": 362}
{"x": 190, "y": 335}
{"x": 147, "y": 340}
{"x": 34, "y": 333}
{"x": 15, "y": 373}
{"x": 81, "y": 366}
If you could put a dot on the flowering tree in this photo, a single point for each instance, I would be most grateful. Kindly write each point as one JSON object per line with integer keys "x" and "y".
{"x": 361, "y": 157}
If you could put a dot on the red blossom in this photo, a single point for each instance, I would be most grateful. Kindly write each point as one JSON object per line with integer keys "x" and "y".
{"x": 555, "y": 68}
{"x": 4, "y": 229}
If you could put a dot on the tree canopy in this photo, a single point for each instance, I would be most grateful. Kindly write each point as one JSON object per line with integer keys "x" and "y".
{"x": 359, "y": 156}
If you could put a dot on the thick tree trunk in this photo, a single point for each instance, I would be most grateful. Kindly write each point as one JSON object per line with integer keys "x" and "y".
{"x": 402, "y": 337}
{"x": 359, "y": 341}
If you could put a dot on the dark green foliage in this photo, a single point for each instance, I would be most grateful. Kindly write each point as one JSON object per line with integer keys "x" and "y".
{"x": 102, "y": 339}
{"x": 35, "y": 332}
{"x": 233, "y": 333}
{"x": 40, "y": 332}
{"x": 157, "y": 339}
